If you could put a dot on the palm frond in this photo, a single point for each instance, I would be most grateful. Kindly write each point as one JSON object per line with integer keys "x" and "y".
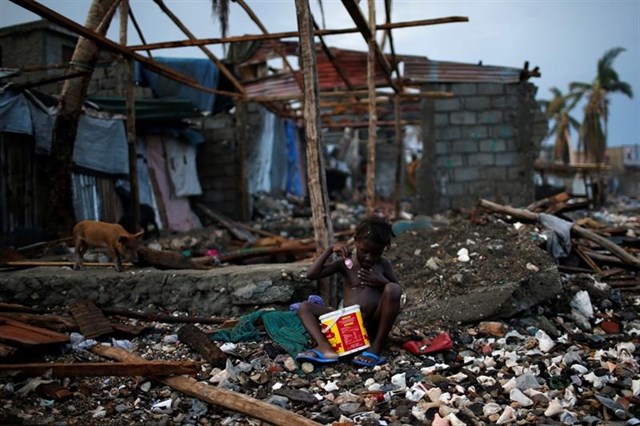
{"x": 221, "y": 9}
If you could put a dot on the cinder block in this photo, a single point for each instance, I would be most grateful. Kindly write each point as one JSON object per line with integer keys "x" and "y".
{"x": 481, "y": 159}
{"x": 476, "y": 103}
{"x": 441, "y": 119}
{"x": 491, "y": 88}
{"x": 492, "y": 145}
{"x": 447, "y": 104}
{"x": 448, "y": 133}
{"x": 449, "y": 161}
{"x": 465, "y": 89}
{"x": 463, "y": 117}
{"x": 507, "y": 159}
{"x": 474, "y": 132}
{"x": 515, "y": 172}
{"x": 442, "y": 147}
{"x": 466, "y": 174}
{"x": 454, "y": 189}
{"x": 495, "y": 173}
{"x": 490, "y": 117}
{"x": 464, "y": 146}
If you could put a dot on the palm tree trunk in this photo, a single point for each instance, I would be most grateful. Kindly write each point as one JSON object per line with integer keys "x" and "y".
{"x": 61, "y": 216}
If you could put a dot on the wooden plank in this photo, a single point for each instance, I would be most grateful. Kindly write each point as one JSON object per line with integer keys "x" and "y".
{"x": 54, "y": 391}
{"x": 231, "y": 225}
{"x": 91, "y": 321}
{"x": 152, "y": 316}
{"x": 15, "y": 331}
{"x": 193, "y": 337}
{"x": 51, "y": 322}
{"x": 215, "y": 395}
{"x": 93, "y": 369}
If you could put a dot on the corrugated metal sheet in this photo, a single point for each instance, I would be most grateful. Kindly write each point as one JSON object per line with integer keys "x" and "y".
{"x": 423, "y": 70}
{"x": 416, "y": 69}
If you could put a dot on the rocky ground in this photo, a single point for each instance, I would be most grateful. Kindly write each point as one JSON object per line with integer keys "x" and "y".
{"x": 570, "y": 360}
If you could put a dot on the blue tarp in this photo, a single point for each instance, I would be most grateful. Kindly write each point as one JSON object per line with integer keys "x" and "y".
{"x": 202, "y": 70}
{"x": 100, "y": 146}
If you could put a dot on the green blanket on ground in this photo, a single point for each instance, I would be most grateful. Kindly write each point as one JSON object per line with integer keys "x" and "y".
{"x": 285, "y": 328}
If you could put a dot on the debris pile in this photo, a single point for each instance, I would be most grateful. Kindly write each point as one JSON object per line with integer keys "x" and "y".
{"x": 566, "y": 353}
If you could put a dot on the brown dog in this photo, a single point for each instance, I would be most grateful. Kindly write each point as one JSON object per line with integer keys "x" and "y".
{"x": 119, "y": 243}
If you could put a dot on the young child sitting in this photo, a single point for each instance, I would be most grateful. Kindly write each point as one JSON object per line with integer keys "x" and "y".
{"x": 369, "y": 281}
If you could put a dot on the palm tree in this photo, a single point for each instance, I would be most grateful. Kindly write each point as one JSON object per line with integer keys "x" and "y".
{"x": 557, "y": 109}
{"x": 593, "y": 133}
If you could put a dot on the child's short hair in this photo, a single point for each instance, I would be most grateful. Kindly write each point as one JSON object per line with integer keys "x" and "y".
{"x": 375, "y": 229}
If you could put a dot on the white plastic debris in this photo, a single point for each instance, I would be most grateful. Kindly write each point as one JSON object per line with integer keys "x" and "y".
{"x": 463, "y": 255}
{"x": 491, "y": 408}
{"x": 554, "y": 408}
{"x": 228, "y": 347}
{"x": 531, "y": 267}
{"x": 522, "y": 399}
{"x": 507, "y": 416}
{"x": 330, "y": 386}
{"x": 400, "y": 381}
{"x": 518, "y": 225}
{"x": 98, "y": 413}
{"x": 582, "y": 303}
{"x": 162, "y": 405}
{"x": 277, "y": 386}
{"x": 545, "y": 343}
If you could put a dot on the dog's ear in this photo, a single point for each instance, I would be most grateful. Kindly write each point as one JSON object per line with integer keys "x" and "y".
{"x": 123, "y": 238}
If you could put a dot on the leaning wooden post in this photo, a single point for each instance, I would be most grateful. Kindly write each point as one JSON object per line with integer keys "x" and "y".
{"x": 322, "y": 226}
{"x": 399, "y": 155}
{"x": 131, "y": 119}
{"x": 373, "y": 117}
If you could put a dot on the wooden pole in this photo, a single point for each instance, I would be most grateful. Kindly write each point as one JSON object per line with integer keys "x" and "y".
{"x": 290, "y": 34}
{"x": 241, "y": 160}
{"x": 215, "y": 395}
{"x": 131, "y": 118}
{"x": 222, "y": 67}
{"x": 317, "y": 181}
{"x": 373, "y": 117}
{"x": 575, "y": 229}
{"x": 399, "y": 155}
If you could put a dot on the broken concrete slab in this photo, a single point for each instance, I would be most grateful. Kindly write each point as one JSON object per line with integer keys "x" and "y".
{"x": 225, "y": 291}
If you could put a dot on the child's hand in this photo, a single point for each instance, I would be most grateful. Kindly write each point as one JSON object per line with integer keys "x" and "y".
{"x": 371, "y": 279}
{"x": 342, "y": 251}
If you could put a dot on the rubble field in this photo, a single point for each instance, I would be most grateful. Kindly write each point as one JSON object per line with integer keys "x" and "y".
{"x": 539, "y": 343}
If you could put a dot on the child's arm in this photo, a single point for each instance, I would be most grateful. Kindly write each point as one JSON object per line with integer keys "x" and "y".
{"x": 319, "y": 270}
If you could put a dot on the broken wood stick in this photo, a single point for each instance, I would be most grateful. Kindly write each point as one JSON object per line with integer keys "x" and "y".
{"x": 214, "y": 395}
{"x": 577, "y": 230}
{"x": 237, "y": 231}
{"x": 160, "y": 317}
{"x": 263, "y": 251}
{"x": 200, "y": 342}
{"x": 120, "y": 369}
{"x": 167, "y": 259}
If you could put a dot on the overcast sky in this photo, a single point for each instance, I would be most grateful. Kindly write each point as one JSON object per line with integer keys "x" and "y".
{"x": 564, "y": 38}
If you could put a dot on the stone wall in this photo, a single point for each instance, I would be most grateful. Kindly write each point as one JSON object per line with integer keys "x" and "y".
{"x": 480, "y": 143}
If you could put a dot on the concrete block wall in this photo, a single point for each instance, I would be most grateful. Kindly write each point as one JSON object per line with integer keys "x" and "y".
{"x": 479, "y": 144}
{"x": 218, "y": 161}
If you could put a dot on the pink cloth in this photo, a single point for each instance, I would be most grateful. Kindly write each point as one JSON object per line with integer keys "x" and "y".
{"x": 178, "y": 209}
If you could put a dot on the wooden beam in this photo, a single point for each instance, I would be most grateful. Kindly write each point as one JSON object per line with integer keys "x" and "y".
{"x": 349, "y": 93}
{"x": 222, "y": 67}
{"x": 130, "y": 122}
{"x": 399, "y": 156}
{"x": 138, "y": 30}
{"x": 371, "y": 83}
{"x": 290, "y": 34}
{"x": 317, "y": 183}
{"x": 193, "y": 337}
{"x": 92, "y": 369}
{"x": 49, "y": 14}
{"x": 368, "y": 32}
{"x": 215, "y": 395}
{"x": 362, "y": 124}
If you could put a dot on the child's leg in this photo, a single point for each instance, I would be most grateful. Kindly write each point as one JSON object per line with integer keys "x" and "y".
{"x": 385, "y": 316}
{"x": 309, "y": 313}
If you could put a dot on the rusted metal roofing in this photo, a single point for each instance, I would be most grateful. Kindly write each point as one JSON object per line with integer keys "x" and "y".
{"x": 416, "y": 69}
{"x": 422, "y": 70}
{"x": 16, "y": 331}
